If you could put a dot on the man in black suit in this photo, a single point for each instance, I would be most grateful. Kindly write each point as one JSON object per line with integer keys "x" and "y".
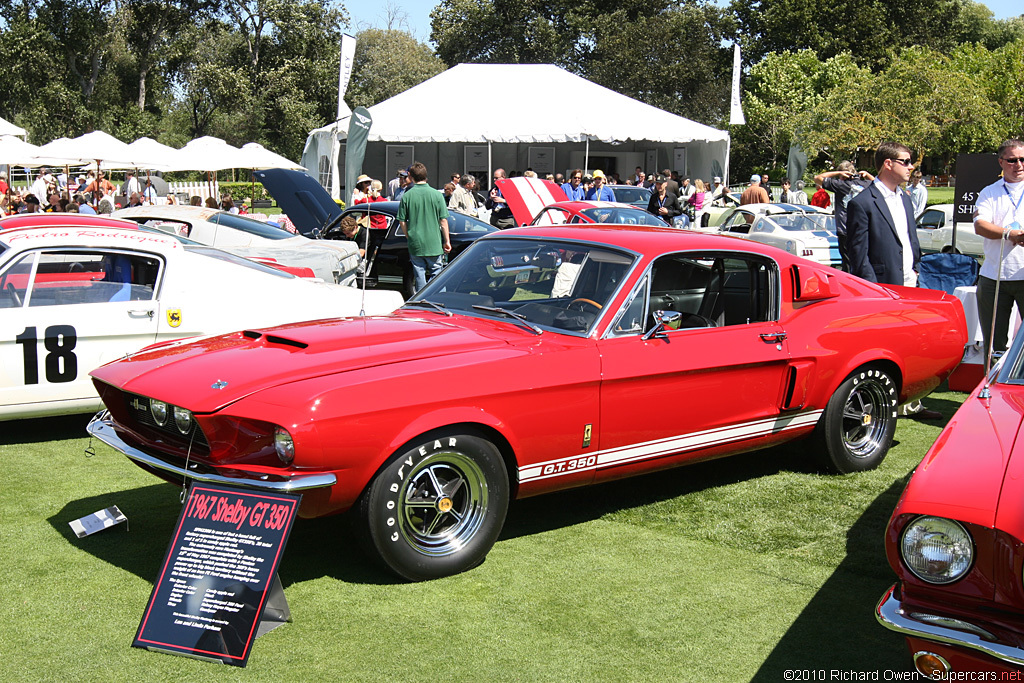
{"x": 881, "y": 234}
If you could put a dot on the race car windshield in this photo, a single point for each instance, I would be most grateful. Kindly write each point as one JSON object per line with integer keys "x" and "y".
{"x": 251, "y": 226}
{"x": 622, "y": 217}
{"x": 552, "y": 284}
{"x": 801, "y": 222}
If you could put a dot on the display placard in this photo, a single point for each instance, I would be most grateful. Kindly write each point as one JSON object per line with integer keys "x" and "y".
{"x": 218, "y": 574}
{"x": 974, "y": 172}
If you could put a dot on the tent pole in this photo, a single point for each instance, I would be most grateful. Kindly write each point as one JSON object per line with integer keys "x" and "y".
{"x": 490, "y": 168}
{"x": 586, "y": 158}
{"x": 725, "y": 180}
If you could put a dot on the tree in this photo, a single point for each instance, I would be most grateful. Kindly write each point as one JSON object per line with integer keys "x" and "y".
{"x": 387, "y": 63}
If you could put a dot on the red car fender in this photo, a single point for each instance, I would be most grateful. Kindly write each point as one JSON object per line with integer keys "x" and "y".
{"x": 444, "y": 419}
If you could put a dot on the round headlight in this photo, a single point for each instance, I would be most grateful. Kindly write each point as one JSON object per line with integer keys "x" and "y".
{"x": 182, "y": 418}
{"x": 158, "y": 409}
{"x": 284, "y": 445}
{"x": 936, "y": 550}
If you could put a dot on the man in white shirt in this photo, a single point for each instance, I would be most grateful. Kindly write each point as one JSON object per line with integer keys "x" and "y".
{"x": 998, "y": 216}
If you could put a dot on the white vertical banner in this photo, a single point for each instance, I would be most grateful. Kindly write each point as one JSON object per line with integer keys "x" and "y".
{"x": 736, "y": 110}
{"x": 348, "y": 56}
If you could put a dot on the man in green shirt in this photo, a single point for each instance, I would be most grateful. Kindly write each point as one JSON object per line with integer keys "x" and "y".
{"x": 423, "y": 217}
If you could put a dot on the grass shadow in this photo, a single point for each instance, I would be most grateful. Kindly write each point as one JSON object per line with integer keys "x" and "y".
{"x": 42, "y": 429}
{"x": 837, "y": 630}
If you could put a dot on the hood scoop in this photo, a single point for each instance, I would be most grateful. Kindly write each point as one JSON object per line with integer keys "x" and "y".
{"x": 275, "y": 339}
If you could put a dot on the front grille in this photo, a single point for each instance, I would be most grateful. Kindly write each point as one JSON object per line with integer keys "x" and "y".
{"x": 168, "y": 433}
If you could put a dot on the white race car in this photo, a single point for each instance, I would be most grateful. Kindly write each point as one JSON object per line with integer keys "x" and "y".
{"x": 802, "y": 230}
{"x": 935, "y": 232}
{"x": 85, "y": 290}
{"x": 329, "y": 260}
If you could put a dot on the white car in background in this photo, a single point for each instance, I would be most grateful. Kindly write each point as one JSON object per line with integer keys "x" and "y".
{"x": 77, "y": 295}
{"x": 806, "y": 231}
{"x": 935, "y": 232}
{"x": 329, "y": 260}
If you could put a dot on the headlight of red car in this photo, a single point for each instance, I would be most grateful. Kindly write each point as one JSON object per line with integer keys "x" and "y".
{"x": 936, "y": 550}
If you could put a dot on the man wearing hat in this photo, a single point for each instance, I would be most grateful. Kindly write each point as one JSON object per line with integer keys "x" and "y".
{"x": 718, "y": 189}
{"x": 663, "y": 203}
{"x": 600, "y": 192}
{"x": 397, "y": 185}
{"x": 754, "y": 194}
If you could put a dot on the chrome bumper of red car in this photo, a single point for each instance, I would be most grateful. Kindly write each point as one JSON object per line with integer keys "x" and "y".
{"x": 102, "y": 427}
{"x": 956, "y": 632}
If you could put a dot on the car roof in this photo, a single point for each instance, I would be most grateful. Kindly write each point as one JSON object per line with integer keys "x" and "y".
{"x": 58, "y": 219}
{"x": 583, "y": 205}
{"x": 86, "y": 236}
{"x": 170, "y": 211}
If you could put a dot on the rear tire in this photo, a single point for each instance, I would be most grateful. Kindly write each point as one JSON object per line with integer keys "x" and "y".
{"x": 437, "y": 508}
{"x": 855, "y": 432}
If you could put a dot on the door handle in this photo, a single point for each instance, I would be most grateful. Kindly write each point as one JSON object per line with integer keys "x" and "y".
{"x": 773, "y": 337}
{"x": 140, "y": 313}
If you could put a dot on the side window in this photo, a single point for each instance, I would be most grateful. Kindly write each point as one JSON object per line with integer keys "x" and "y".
{"x": 931, "y": 219}
{"x": 14, "y": 282}
{"x": 709, "y": 290}
{"x": 76, "y": 277}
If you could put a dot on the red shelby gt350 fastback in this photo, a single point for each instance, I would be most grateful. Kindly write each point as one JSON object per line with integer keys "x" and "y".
{"x": 539, "y": 359}
{"x": 956, "y": 538}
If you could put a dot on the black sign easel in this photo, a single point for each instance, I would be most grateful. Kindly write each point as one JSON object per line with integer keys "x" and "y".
{"x": 218, "y": 588}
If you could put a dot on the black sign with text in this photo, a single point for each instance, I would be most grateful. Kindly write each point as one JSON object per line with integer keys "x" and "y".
{"x": 216, "y": 577}
{"x": 974, "y": 172}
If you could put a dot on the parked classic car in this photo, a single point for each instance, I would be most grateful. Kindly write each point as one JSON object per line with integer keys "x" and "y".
{"x": 391, "y": 266}
{"x": 540, "y": 359}
{"x": 83, "y": 290}
{"x": 335, "y": 262}
{"x": 935, "y": 232}
{"x": 956, "y": 537}
{"x": 611, "y": 213}
{"x": 804, "y": 231}
{"x": 638, "y": 196}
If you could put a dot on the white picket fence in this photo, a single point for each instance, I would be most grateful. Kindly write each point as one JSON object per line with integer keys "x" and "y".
{"x": 202, "y": 190}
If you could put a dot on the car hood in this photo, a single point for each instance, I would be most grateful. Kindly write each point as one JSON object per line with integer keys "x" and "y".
{"x": 308, "y": 205}
{"x": 527, "y": 196}
{"x": 974, "y": 472}
{"x": 183, "y": 373}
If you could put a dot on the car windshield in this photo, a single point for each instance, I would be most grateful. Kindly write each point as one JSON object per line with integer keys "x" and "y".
{"x": 804, "y": 222}
{"x": 632, "y": 195}
{"x": 461, "y": 223}
{"x": 622, "y": 216}
{"x": 559, "y": 285}
{"x": 249, "y": 225}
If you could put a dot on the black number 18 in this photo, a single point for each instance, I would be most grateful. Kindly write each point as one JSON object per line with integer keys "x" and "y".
{"x": 61, "y": 363}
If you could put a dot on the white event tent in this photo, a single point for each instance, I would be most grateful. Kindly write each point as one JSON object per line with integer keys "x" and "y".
{"x": 477, "y": 117}
{"x": 8, "y": 128}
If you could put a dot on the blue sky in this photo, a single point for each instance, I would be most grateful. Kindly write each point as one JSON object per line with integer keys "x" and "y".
{"x": 418, "y": 14}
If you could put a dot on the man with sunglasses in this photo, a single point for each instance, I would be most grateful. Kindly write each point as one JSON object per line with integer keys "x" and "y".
{"x": 881, "y": 235}
{"x": 998, "y": 215}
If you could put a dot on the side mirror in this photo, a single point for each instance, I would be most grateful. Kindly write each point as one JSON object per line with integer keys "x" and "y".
{"x": 664, "y": 320}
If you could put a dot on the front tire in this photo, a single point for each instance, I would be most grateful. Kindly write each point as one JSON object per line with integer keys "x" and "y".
{"x": 437, "y": 508}
{"x": 855, "y": 432}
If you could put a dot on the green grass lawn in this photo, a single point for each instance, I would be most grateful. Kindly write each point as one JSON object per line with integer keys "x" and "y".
{"x": 733, "y": 570}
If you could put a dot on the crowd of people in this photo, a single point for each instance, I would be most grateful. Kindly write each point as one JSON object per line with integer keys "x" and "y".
{"x": 91, "y": 193}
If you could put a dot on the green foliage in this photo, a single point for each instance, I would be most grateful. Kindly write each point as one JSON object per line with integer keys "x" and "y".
{"x": 388, "y": 62}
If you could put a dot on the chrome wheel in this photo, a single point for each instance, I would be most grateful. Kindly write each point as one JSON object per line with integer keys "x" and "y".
{"x": 443, "y": 504}
{"x": 856, "y": 428}
{"x": 866, "y": 417}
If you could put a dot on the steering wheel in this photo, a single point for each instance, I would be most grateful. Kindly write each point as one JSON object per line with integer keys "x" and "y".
{"x": 14, "y": 294}
{"x": 581, "y": 300}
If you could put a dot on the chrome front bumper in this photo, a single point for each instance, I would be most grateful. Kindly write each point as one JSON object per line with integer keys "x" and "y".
{"x": 102, "y": 427}
{"x": 890, "y": 613}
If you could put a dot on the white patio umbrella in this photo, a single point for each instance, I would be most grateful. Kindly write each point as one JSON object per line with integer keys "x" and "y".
{"x": 16, "y": 152}
{"x": 208, "y": 154}
{"x": 95, "y": 146}
{"x": 257, "y": 156}
{"x": 150, "y": 154}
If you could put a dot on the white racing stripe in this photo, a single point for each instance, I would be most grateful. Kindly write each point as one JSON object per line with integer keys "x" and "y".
{"x": 668, "y": 446}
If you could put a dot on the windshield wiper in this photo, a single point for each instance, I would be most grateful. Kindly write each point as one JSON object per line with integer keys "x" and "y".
{"x": 518, "y": 317}
{"x": 432, "y": 304}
